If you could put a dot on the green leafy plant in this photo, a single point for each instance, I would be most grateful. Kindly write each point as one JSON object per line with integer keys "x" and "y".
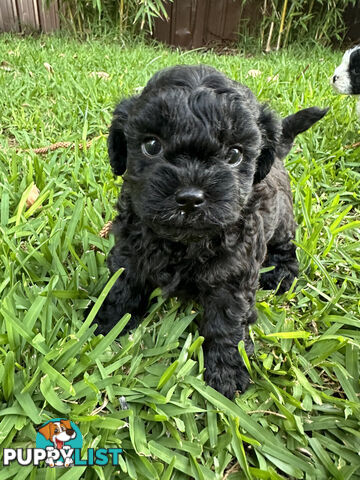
{"x": 282, "y": 22}
{"x": 127, "y": 16}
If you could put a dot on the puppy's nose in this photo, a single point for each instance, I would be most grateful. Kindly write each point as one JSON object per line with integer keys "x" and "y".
{"x": 335, "y": 77}
{"x": 190, "y": 198}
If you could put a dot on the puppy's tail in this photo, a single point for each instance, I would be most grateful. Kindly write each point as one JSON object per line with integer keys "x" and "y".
{"x": 297, "y": 123}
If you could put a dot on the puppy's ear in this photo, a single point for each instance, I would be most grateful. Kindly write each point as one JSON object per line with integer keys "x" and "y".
{"x": 46, "y": 430}
{"x": 66, "y": 423}
{"x": 271, "y": 131}
{"x": 117, "y": 146}
{"x": 297, "y": 123}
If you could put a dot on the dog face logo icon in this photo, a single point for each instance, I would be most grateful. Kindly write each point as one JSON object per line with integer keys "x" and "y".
{"x": 59, "y": 444}
{"x": 58, "y": 432}
{"x": 59, "y": 437}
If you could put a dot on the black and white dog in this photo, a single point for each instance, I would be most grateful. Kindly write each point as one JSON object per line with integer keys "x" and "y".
{"x": 346, "y": 78}
{"x": 205, "y": 203}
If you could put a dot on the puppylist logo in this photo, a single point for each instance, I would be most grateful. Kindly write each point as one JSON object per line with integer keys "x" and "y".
{"x": 59, "y": 443}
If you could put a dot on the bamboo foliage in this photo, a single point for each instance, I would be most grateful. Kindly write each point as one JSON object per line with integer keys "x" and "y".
{"x": 128, "y": 16}
{"x": 291, "y": 21}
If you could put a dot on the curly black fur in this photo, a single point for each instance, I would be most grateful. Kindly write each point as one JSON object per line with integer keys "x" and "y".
{"x": 213, "y": 252}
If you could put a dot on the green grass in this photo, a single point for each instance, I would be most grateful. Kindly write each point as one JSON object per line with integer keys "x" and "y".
{"x": 300, "y": 416}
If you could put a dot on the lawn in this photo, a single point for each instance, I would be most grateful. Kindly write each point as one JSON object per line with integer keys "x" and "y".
{"x": 300, "y": 416}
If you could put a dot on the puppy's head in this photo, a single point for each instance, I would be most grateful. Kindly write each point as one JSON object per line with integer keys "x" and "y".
{"x": 346, "y": 78}
{"x": 193, "y": 143}
{"x": 58, "y": 431}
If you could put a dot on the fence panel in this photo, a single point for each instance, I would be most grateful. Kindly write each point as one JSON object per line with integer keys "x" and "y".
{"x": 25, "y": 15}
{"x": 194, "y": 23}
{"x": 49, "y": 17}
{"x": 8, "y": 16}
{"x": 28, "y": 14}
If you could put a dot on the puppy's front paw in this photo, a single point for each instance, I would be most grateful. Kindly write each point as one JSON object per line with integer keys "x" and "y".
{"x": 275, "y": 279}
{"x": 107, "y": 317}
{"x": 283, "y": 258}
{"x": 50, "y": 462}
{"x": 68, "y": 462}
{"x": 103, "y": 319}
{"x": 227, "y": 380}
{"x": 102, "y": 328}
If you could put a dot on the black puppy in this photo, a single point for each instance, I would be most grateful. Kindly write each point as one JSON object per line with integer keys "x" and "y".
{"x": 205, "y": 203}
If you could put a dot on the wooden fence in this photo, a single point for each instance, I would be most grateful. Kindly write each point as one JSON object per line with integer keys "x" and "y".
{"x": 195, "y": 23}
{"x": 28, "y": 15}
{"x": 191, "y": 24}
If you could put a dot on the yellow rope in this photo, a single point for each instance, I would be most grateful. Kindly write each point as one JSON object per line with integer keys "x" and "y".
{"x": 55, "y": 146}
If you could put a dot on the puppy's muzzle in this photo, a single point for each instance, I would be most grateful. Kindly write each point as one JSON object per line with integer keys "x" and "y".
{"x": 190, "y": 198}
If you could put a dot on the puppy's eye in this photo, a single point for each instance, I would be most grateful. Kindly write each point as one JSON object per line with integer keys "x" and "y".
{"x": 234, "y": 156}
{"x": 151, "y": 147}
